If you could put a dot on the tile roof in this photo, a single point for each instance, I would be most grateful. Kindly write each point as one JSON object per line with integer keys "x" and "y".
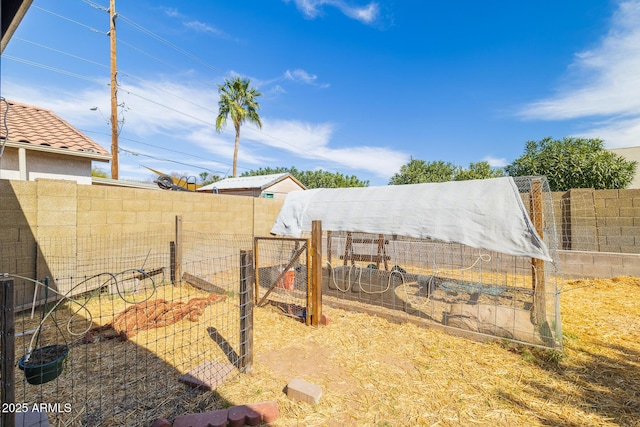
{"x": 40, "y": 127}
{"x": 257, "y": 181}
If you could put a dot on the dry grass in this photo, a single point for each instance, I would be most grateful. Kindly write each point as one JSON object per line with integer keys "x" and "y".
{"x": 376, "y": 373}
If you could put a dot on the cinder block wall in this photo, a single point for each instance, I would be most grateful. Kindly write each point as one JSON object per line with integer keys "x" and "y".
{"x": 618, "y": 220}
{"x": 60, "y": 214}
{"x": 606, "y": 221}
{"x": 18, "y": 210}
{"x": 52, "y": 208}
{"x": 600, "y": 220}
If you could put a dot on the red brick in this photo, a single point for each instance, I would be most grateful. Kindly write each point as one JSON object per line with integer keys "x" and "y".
{"x": 162, "y": 422}
{"x": 204, "y": 419}
{"x": 207, "y": 376}
{"x": 241, "y": 415}
{"x": 268, "y": 410}
{"x": 324, "y": 320}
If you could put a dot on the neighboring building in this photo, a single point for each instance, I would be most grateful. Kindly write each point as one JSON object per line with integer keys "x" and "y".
{"x": 274, "y": 186}
{"x": 630, "y": 153}
{"x": 42, "y": 145}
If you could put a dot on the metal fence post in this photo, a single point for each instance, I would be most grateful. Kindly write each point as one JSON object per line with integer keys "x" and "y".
{"x": 8, "y": 352}
{"x": 246, "y": 312}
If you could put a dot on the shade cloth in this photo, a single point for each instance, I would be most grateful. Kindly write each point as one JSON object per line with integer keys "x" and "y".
{"x": 485, "y": 214}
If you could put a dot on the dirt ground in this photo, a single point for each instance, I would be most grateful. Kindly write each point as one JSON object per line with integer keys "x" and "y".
{"x": 376, "y": 373}
{"x": 373, "y": 372}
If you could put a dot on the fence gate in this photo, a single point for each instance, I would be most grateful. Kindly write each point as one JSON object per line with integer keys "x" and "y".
{"x": 283, "y": 275}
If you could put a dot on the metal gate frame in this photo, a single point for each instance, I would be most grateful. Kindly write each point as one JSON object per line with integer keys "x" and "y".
{"x": 306, "y": 246}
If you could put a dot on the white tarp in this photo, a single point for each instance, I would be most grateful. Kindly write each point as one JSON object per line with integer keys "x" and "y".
{"x": 487, "y": 214}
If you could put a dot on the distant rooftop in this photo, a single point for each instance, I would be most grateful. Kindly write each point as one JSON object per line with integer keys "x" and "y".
{"x": 253, "y": 182}
{"x": 41, "y": 127}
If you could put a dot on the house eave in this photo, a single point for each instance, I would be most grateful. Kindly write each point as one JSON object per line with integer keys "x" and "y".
{"x": 64, "y": 151}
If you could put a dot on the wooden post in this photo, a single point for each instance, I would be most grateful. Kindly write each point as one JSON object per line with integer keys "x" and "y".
{"x": 316, "y": 271}
{"x": 114, "y": 90}
{"x": 8, "y": 352}
{"x": 307, "y": 317}
{"x": 245, "y": 361}
{"x": 537, "y": 265}
{"x": 177, "y": 262}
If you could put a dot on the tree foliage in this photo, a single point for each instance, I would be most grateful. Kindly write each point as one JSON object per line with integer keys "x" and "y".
{"x": 237, "y": 101}
{"x": 418, "y": 171}
{"x": 206, "y": 178}
{"x": 98, "y": 173}
{"x": 574, "y": 163}
{"x": 314, "y": 179}
{"x": 479, "y": 170}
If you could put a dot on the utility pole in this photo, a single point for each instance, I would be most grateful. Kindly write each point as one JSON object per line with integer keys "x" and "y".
{"x": 114, "y": 91}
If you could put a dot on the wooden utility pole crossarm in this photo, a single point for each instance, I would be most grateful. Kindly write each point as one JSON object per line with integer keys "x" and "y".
{"x": 114, "y": 91}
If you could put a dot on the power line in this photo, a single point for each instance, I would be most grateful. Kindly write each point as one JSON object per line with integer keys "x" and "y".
{"x": 165, "y": 106}
{"x": 159, "y": 148}
{"x": 56, "y": 70}
{"x": 162, "y": 40}
{"x": 162, "y": 105}
{"x": 169, "y": 44}
{"x": 70, "y": 20}
{"x": 96, "y": 5}
{"x": 61, "y": 52}
{"x": 134, "y": 153}
{"x": 168, "y": 93}
{"x": 146, "y": 54}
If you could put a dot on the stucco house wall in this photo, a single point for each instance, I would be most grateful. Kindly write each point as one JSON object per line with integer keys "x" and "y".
{"x": 633, "y": 154}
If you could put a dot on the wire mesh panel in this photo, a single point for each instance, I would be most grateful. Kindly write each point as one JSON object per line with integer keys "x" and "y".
{"x": 283, "y": 275}
{"x": 579, "y": 229}
{"x": 109, "y": 340}
{"x": 475, "y": 291}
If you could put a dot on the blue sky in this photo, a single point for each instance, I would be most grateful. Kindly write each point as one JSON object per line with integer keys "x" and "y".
{"x": 351, "y": 86}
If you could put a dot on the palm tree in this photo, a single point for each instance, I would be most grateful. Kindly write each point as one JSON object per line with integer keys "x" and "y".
{"x": 238, "y": 101}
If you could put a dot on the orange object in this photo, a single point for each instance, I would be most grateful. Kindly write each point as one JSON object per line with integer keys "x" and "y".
{"x": 288, "y": 280}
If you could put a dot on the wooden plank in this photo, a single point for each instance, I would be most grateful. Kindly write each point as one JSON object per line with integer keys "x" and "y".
{"x": 316, "y": 271}
{"x": 376, "y": 241}
{"x": 207, "y": 376}
{"x": 200, "y": 283}
{"x": 146, "y": 274}
{"x": 310, "y": 288}
{"x": 347, "y": 249}
{"x": 367, "y": 257}
{"x": 537, "y": 265}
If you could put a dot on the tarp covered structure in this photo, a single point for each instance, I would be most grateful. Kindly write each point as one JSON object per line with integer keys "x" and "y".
{"x": 485, "y": 214}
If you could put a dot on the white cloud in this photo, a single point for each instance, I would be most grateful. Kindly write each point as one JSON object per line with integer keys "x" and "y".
{"x": 312, "y": 141}
{"x": 495, "y": 162}
{"x": 605, "y": 83}
{"x": 201, "y": 27}
{"x": 616, "y": 133}
{"x": 171, "y": 118}
{"x": 193, "y": 24}
{"x": 302, "y": 76}
{"x": 311, "y": 9}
